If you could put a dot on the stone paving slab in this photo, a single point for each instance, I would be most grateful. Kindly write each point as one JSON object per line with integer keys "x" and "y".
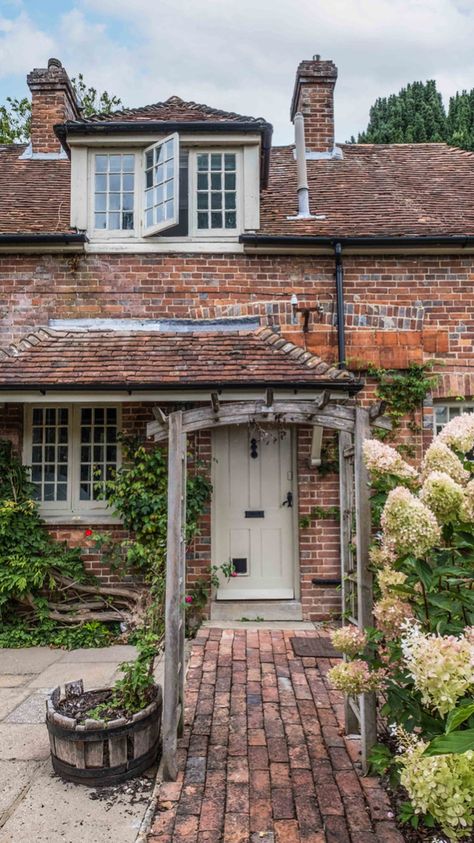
{"x": 94, "y": 675}
{"x": 10, "y": 698}
{"x": 30, "y": 710}
{"x": 23, "y": 742}
{"x": 13, "y": 680}
{"x": 263, "y": 755}
{"x": 14, "y": 778}
{"x": 27, "y": 659}
{"x": 116, "y": 653}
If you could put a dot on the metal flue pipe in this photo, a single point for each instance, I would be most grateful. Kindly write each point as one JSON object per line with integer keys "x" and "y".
{"x": 300, "y": 151}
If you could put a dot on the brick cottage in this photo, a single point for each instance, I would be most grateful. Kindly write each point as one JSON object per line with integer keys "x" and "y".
{"x": 169, "y": 256}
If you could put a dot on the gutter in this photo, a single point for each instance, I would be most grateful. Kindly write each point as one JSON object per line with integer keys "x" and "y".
{"x": 65, "y": 238}
{"x": 349, "y": 386}
{"x": 118, "y": 127}
{"x": 362, "y": 242}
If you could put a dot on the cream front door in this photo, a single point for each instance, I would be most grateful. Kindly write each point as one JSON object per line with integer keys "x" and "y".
{"x": 253, "y": 493}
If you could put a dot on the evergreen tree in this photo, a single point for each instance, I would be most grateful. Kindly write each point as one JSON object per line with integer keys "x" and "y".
{"x": 461, "y": 120}
{"x": 15, "y": 115}
{"x": 415, "y": 115}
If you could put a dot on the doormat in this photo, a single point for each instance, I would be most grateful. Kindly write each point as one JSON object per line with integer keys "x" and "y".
{"x": 316, "y": 648}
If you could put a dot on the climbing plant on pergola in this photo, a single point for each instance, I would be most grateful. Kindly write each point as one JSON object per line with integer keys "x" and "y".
{"x": 353, "y": 425}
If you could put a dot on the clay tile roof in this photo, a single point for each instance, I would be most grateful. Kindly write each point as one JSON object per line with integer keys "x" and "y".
{"x": 386, "y": 190}
{"x": 119, "y": 358}
{"x": 174, "y": 109}
{"x": 34, "y": 193}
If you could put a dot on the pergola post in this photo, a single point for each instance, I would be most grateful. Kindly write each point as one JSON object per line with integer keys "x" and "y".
{"x": 173, "y": 702}
{"x": 367, "y": 702}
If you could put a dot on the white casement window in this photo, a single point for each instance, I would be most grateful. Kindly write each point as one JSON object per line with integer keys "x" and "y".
{"x": 446, "y": 411}
{"x": 215, "y": 192}
{"x": 72, "y": 451}
{"x": 114, "y": 192}
{"x": 161, "y": 207}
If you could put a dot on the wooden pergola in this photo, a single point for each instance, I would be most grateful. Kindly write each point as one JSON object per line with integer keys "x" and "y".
{"x": 353, "y": 425}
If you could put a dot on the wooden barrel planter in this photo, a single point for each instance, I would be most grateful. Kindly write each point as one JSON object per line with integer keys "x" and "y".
{"x": 97, "y": 752}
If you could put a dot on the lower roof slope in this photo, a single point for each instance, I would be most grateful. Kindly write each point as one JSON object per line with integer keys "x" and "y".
{"x": 103, "y": 358}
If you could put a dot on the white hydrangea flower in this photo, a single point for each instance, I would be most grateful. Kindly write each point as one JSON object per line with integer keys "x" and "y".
{"x": 441, "y": 458}
{"x": 459, "y": 433}
{"x": 391, "y": 613}
{"x": 443, "y": 496}
{"x": 388, "y": 577}
{"x": 383, "y": 459}
{"x": 408, "y": 524}
{"x": 349, "y": 640}
{"x": 441, "y": 666}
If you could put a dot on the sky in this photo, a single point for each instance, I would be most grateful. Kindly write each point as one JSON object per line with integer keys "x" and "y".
{"x": 241, "y": 55}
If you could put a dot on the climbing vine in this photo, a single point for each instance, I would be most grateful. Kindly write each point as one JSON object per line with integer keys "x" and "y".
{"x": 403, "y": 393}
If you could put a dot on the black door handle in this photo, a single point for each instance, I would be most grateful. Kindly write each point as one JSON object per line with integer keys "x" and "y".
{"x": 288, "y": 500}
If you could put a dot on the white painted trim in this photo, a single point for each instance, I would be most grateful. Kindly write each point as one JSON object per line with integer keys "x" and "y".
{"x": 153, "y": 396}
{"x": 175, "y": 245}
{"x": 145, "y": 138}
{"x": 214, "y": 233}
{"x": 111, "y": 235}
{"x": 79, "y": 188}
{"x": 73, "y": 509}
{"x": 251, "y": 188}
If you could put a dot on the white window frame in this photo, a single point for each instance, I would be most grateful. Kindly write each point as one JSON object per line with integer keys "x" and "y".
{"x": 115, "y": 233}
{"x": 73, "y": 509}
{"x": 461, "y": 406}
{"x": 148, "y": 231}
{"x": 209, "y": 234}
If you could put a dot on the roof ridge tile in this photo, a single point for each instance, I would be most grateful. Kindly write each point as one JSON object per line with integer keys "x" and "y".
{"x": 302, "y": 356}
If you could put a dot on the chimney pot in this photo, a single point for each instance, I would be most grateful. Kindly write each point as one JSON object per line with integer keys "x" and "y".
{"x": 313, "y": 95}
{"x": 52, "y": 62}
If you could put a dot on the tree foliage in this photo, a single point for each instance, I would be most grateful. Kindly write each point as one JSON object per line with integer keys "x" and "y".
{"x": 417, "y": 115}
{"x": 15, "y": 114}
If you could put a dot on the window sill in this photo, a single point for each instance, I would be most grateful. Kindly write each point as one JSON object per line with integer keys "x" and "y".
{"x": 166, "y": 244}
{"x": 79, "y": 521}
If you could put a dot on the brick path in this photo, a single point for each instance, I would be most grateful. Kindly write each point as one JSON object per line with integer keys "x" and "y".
{"x": 263, "y": 757}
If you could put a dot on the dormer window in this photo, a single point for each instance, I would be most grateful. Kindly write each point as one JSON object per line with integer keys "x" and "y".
{"x": 170, "y": 190}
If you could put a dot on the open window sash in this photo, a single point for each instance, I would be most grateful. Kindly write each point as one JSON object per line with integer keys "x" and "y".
{"x": 161, "y": 192}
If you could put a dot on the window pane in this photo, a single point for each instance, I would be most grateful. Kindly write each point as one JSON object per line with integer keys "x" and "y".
{"x": 128, "y": 163}
{"x": 100, "y": 221}
{"x": 216, "y": 200}
{"x": 216, "y": 181}
{"x": 111, "y": 415}
{"x": 36, "y": 454}
{"x": 230, "y": 201}
{"x": 101, "y": 183}
{"x": 61, "y": 493}
{"x": 114, "y": 201}
{"x": 216, "y": 220}
{"x": 216, "y": 161}
{"x": 100, "y": 202}
{"x": 230, "y": 181}
{"x": 127, "y": 220}
{"x": 128, "y": 182}
{"x": 202, "y": 181}
{"x": 37, "y": 416}
{"x": 203, "y": 162}
{"x": 48, "y": 492}
{"x": 229, "y": 158}
{"x": 203, "y": 220}
{"x": 115, "y": 182}
{"x": 50, "y": 416}
{"x": 114, "y": 221}
{"x": 203, "y": 201}
{"x": 230, "y": 219}
{"x": 115, "y": 163}
{"x": 101, "y": 163}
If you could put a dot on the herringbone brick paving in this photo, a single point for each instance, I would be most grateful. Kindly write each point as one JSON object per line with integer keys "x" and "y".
{"x": 263, "y": 758}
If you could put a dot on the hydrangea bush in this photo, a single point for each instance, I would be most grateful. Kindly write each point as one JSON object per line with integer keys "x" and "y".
{"x": 421, "y": 649}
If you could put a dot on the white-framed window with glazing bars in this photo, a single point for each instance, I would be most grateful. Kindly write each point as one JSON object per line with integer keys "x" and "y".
{"x": 72, "y": 450}
{"x": 444, "y": 411}
{"x": 215, "y": 192}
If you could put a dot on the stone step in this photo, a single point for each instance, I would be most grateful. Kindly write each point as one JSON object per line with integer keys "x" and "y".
{"x": 254, "y": 610}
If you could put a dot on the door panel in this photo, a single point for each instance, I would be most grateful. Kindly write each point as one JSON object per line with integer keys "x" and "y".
{"x": 251, "y": 523}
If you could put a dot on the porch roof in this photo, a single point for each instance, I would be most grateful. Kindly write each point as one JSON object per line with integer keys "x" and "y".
{"x": 124, "y": 359}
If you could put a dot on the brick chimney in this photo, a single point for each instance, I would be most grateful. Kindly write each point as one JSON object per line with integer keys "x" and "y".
{"x": 313, "y": 96}
{"x": 53, "y": 101}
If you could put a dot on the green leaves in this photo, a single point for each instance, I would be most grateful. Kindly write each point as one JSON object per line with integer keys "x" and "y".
{"x": 454, "y": 742}
{"x": 459, "y": 715}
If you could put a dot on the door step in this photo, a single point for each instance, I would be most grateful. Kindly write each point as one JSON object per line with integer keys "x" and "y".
{"x": 254, "y": 610}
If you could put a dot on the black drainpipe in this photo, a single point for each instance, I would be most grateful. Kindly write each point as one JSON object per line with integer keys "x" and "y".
{"x": 341, "y": 340}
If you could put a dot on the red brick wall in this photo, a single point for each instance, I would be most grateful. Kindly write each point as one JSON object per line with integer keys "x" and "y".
{"x": 398, "y": 309}
{"x": 314, "y": 97}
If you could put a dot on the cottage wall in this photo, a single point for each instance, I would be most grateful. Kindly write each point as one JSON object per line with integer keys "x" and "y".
{"x": 398, "y": 310}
